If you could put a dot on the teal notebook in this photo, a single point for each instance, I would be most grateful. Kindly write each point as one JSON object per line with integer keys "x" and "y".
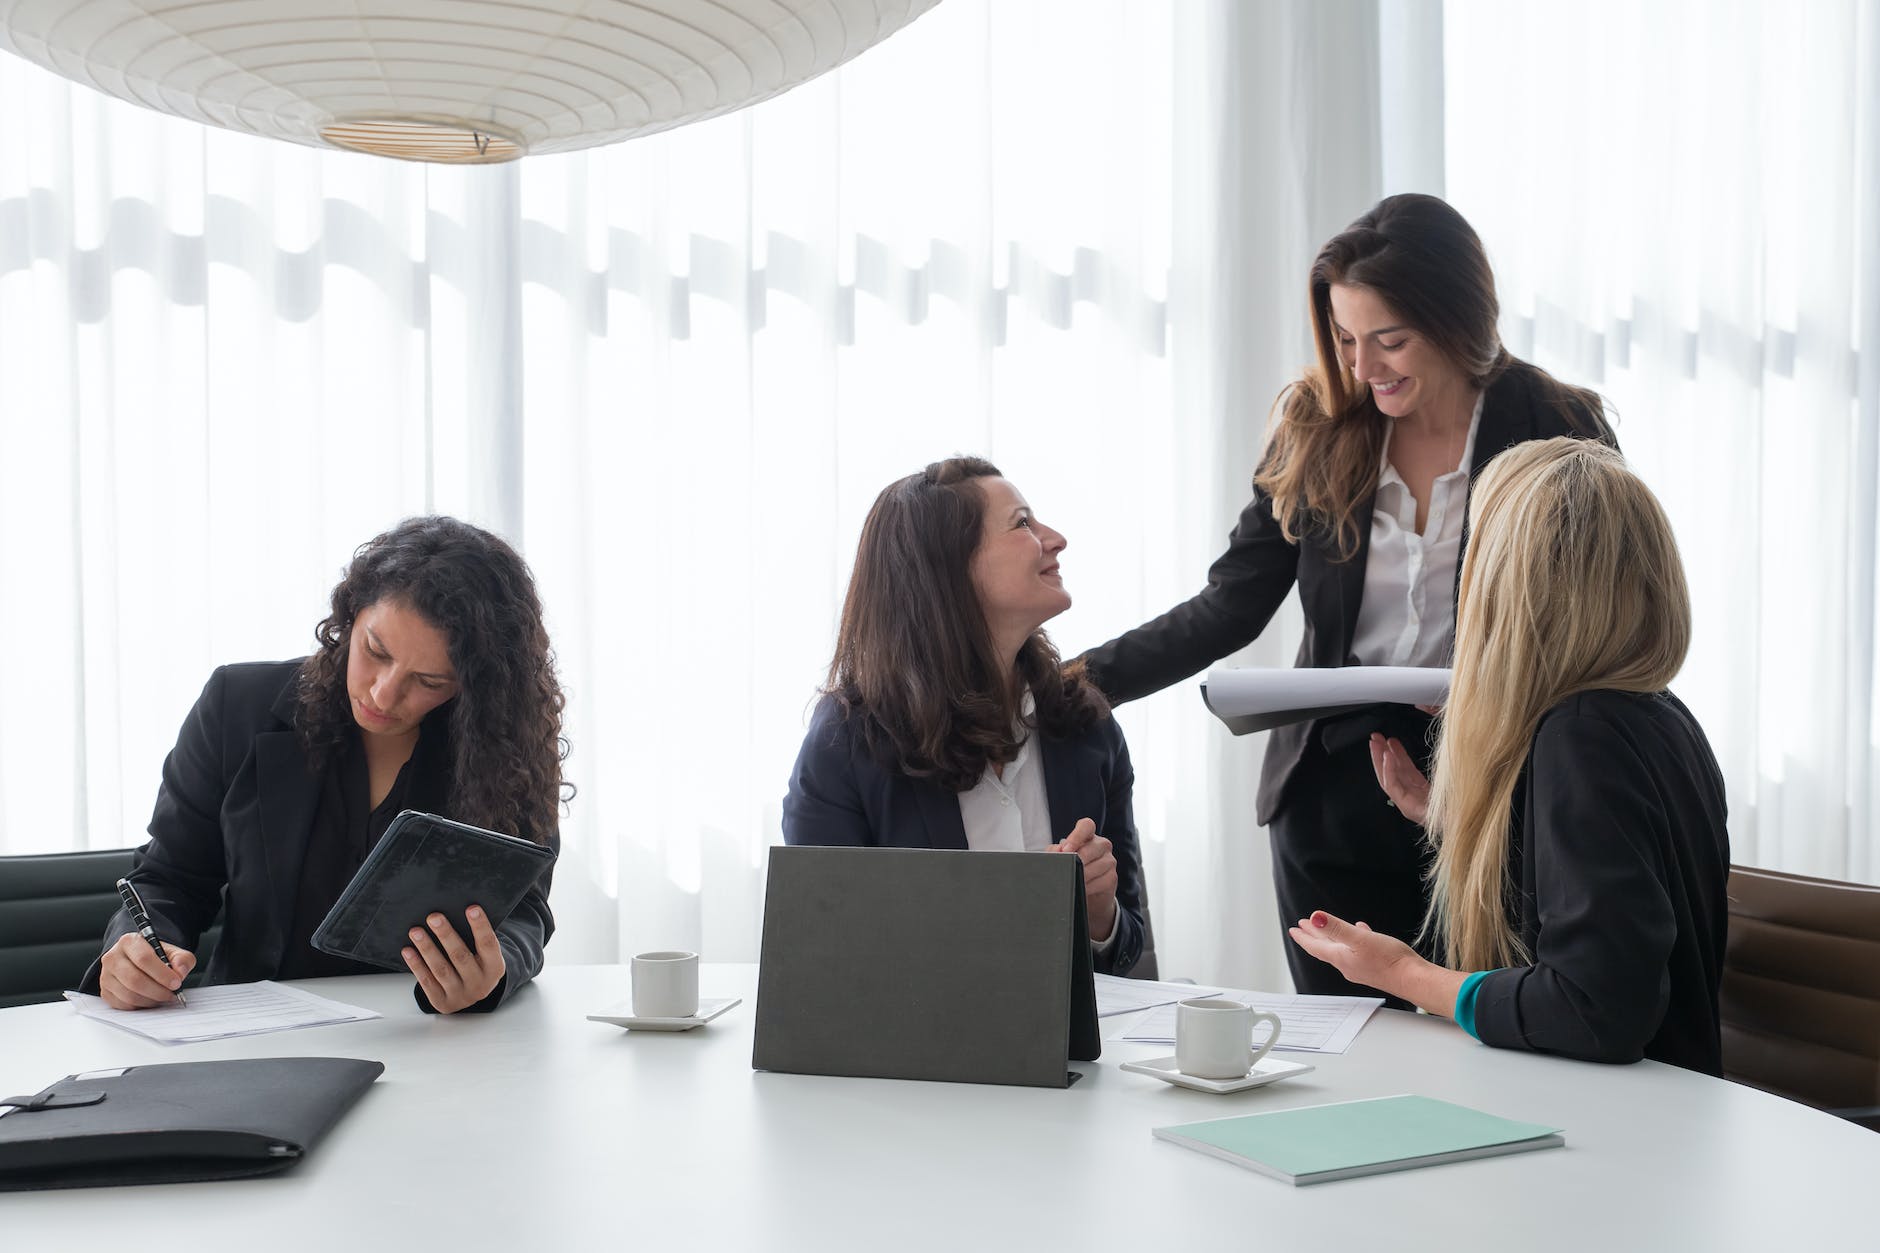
{"x": 1324, "y": 1142}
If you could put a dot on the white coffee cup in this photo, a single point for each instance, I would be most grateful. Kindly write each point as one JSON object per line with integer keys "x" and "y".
{"x": 665, "y": 985}
{"x": 1214, "y": 1038}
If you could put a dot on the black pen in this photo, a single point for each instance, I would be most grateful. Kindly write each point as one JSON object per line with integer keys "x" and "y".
{"x": 141, "y": 920}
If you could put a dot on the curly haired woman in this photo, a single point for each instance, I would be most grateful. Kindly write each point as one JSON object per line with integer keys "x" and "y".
{"x": 433, "y": 689}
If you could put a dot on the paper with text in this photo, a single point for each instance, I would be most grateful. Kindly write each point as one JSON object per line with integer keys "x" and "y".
{"x": 1260, "y": 698}
{"x": 216, "y": 1013}
{"x": 1308, "y": 1024}
{"x": 1117, "y": 995}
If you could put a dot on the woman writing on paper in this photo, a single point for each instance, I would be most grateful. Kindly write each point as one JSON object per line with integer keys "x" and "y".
{"x": 1576, "y": 811}
{"x": 1359, "y": 500}
{"x": 433, "y": 689}
{"x": 947, "y": 721}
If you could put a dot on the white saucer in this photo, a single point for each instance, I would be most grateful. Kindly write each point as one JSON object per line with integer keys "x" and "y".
{"x": 1270, "y": 1070}
{"x": 622, "y": 1016}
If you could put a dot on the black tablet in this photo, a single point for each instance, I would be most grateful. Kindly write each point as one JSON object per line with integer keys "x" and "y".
{"x": 914, "y": 963}
{"x": 427, "y": 865}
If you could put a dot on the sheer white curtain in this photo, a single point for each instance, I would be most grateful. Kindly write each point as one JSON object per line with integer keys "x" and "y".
{"x": 959, "y": 244}
{"x": 676, "y": 372}
{"x": 1682, "y": 204}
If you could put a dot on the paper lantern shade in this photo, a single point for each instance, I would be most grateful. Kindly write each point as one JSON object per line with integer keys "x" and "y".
{"x": 447, "y": 80}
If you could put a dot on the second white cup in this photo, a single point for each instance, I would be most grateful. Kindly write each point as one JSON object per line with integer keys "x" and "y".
{"x": 1214, "y": 1038}
{"x": 665, "y": 985}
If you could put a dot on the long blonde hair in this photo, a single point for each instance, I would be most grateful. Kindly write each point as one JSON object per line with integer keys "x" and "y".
{"x": 1572, "y": 582}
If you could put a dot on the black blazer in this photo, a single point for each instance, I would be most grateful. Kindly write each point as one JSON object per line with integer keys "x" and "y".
{"x": 230, "y": 832}
{"x": 1621, "y": 857}
{"x": 1248, "y": 583}
{"x": 840, "y": 795}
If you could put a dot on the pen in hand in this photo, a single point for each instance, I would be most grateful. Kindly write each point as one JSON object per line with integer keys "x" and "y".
{"x": 141, "y": 920}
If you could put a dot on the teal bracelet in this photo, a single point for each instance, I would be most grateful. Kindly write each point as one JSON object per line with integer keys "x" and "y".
{"x": 1465, "y": 1001}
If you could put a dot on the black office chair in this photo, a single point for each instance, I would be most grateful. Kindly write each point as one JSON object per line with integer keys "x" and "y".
{"x": 53, "y": 911}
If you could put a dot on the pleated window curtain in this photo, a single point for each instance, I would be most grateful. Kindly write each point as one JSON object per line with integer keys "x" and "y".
{"x": 1682, "y": 204}
{"x": 675, "y": 372}
{"x": 1070, "y": 236}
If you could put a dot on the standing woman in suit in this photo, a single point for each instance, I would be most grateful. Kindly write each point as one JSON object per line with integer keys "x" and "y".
{"x": 1577, "y": 811}
{"x": 433, "y": 689}
{"x": 947, "y": 721}
{"x": 1360, "y": 500}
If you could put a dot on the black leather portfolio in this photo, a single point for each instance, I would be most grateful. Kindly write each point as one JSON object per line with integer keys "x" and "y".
{"x": 425, "y": 864}
{"x": 900, "y": 963}
{"x": 177, "y": 1122}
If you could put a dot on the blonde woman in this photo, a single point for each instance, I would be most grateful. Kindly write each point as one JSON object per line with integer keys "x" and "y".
{"x": 1576, "y": 810}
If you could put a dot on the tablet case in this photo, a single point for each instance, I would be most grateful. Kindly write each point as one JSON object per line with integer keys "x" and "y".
{"x": 900, "y": 963}
{"x": 425, "y": 864}
{"x": 177, "y": 1122}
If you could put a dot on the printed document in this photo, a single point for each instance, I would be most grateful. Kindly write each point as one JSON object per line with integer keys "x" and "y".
{"x": 1258, "y": 699}
{"x": 1308, "y": 1024}
{"x": 216, "y": 1013}
{"x": 1116, "y": 995}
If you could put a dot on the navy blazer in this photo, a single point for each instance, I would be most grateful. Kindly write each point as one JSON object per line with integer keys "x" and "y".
{"x": 840, "y": 795}
{"x": 230, "y": 831}
{"x": 1621, "y": 858}
{"x": 1249, "y": 582}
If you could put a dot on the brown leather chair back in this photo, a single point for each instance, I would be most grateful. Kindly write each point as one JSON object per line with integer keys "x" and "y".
{"x": 1801, "y": 989}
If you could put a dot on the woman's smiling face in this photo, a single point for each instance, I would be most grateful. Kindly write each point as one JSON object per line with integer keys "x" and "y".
{"x": 1406, "y": 374}
{"x": 1015, "y": 567}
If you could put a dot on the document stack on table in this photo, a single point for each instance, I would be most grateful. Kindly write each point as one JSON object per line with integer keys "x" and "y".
{"x": 217, "y": 1013}
{"x": 1117, "y": 995}
{"x": 1308, "y": 1024}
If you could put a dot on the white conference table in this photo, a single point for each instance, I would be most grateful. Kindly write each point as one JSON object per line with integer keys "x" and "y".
{"x": 533, "y": 1128}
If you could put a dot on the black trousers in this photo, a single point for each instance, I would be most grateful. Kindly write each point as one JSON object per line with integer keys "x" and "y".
{"x": 1339, "y": 846}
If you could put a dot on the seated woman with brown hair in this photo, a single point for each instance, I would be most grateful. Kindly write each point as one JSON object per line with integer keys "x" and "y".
{"x": 947, "y": 721}
{"x": 1576, "y": 812}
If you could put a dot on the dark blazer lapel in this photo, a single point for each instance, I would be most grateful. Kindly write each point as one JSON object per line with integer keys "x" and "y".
{"x": 1507, "y": 420}
{"x": 1071, "y": 789}
{"x": 940, "y": 814}
{"x": 287, "y": 794}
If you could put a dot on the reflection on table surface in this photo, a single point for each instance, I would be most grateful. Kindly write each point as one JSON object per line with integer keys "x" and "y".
{"x": 535, "y": 1128}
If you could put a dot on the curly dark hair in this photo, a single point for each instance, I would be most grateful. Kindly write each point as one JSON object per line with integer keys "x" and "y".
{"x": 915, "y": 661}
{"x": 504, "y": 724}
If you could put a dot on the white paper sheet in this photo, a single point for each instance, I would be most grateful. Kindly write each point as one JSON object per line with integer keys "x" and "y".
{"x": 1308, "y": 1024}
{"x": 216, "y": 1013}
{"x": 1259, "y": 698}
{"x": 1117, "y": 995}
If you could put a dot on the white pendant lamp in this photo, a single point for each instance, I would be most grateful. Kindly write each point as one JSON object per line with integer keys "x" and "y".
{"x": 459, "y": 81}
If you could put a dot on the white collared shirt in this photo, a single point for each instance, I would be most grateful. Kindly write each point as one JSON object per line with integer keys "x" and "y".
{"x": 1010, "y": 814}
{"x": 1408, "y": 615}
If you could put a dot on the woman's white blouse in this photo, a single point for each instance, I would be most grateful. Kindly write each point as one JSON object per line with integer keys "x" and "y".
{"x": 1408, "y": 614}
{"x": 1012, "y": 814}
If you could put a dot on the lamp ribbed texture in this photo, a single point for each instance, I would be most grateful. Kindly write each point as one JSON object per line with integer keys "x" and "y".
{"x": 449, "y": 80}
